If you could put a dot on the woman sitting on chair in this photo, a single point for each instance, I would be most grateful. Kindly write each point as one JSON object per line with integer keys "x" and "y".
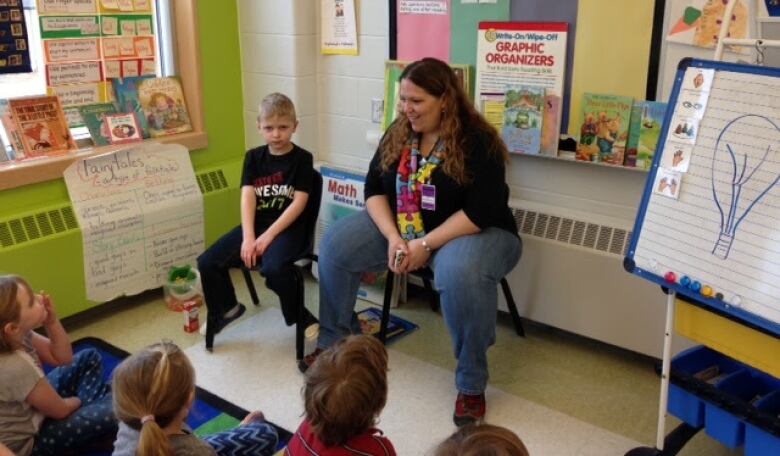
{"x": 436, "y": 196}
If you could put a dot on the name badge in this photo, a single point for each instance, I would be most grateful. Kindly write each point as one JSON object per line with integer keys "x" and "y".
{"x": 428, "y": 197}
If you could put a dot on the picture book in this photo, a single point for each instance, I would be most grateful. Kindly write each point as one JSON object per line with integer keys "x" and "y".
{"x": 122, "y": 128}
{"x": 164, "y": 109}
{"x": 604, "y": 128}
{"x": 11, "y": 132}
{"x": 371, "y": 320}
{"x": 633, "y": 133}
{"x": 41, "y": 125}
{"x": 93, "y": 116}
{"x": 4, "y": 157}
{"x": 653, "y": 113}
{"x": 522, "y": 128}
{"x": 529, "y": 54}
{"x": 126, "y": 97}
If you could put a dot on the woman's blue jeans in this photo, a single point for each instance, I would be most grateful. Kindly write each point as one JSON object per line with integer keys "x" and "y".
{"x": 467, "y": 271}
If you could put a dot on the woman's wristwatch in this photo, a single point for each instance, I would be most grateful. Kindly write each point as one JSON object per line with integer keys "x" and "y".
{"x": 426, "y": 246}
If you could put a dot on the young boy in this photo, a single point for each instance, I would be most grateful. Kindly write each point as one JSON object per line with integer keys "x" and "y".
{"x": 275, "y": 185}
{"x": 344, "y": 392}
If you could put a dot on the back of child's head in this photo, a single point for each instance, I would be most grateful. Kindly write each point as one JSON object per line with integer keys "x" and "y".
{"x": 482, "y": 440}
{"x": 346, "y": 389}
{"x": 10, "y": 309}
{"x": 276, "y": 105}
{"x": 150, "y": 389}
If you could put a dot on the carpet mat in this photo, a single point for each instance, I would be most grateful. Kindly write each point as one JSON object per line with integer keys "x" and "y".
{"x": 209, "y": 414}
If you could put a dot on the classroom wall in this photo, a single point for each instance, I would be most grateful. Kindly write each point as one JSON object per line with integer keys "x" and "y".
{"x": 55, "y": 263}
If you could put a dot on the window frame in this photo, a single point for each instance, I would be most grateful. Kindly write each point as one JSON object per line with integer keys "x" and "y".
{"x": 184, "y": 15}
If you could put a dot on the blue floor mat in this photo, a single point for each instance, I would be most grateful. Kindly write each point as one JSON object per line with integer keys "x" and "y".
{"x": 209, "y": 413}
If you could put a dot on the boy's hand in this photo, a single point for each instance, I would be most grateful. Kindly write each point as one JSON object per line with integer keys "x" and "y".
{"x": 248, "y": 253}
{"x": 262, "y": 243}
{"x": 48, "y": 306}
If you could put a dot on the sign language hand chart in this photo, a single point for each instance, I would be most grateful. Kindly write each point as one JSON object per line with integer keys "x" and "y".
{"x": 715, "y": 234}
{"x": 140, "y": 211}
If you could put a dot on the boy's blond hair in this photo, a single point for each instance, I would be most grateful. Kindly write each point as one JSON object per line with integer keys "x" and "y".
{"x": 346, "y": 388}
{"x": 10, "y": 310}
{"x": 276, "y": 105}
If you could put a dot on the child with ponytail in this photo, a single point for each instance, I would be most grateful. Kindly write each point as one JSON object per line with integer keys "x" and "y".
{"x": 153, "y": 393}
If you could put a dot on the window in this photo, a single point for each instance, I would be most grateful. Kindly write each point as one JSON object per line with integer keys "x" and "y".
{"x": 170, "y": 17}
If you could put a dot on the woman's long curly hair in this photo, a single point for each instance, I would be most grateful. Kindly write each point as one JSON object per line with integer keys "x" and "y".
{"x": 458, "y": 116}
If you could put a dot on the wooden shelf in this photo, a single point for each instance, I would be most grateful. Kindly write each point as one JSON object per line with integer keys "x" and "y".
{"x": 25, "y": 172}
{"x": 580, "y": 162}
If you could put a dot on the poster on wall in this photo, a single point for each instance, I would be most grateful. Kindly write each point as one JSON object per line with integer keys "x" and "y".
{"x": 531, "y": 55}
{"x": 339, "y": 27}
{"x": 342, "y": 195}
{"x": 424, "y": 29}
{"x": 14, "y": 43}
{"x": 697, "y": 22}
{"x": 141, "y": 212}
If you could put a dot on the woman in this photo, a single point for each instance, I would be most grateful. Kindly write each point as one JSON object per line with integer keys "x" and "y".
{"x": 436, "y": 193}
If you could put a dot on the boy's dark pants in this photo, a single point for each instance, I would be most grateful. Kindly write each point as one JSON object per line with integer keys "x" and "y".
{"x": 276, "y": 265}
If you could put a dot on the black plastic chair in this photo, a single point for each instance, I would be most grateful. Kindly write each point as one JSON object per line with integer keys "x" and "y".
{"x": 426, "y": 274}
{"x": 310, "y": 214}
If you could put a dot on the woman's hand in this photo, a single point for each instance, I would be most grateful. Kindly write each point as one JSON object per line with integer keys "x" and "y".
{"x": 248, "y": 253}
{"x": 418, "y": 255}
{"x": 394, "y": 245}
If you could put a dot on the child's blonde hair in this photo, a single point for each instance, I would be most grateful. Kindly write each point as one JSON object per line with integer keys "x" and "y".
{"x": 150, "y": 389}
{"x": 482, "y": 440}
{"x": 346, "y": 388}
{"x": 10, "y": 309}
{"x": 276, "y": 105}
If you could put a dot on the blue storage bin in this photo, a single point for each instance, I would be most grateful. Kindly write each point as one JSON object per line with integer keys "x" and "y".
{"x": 759, "y": 442}
{"x": 684, "y": 404}
{"x": 721, "y": 421}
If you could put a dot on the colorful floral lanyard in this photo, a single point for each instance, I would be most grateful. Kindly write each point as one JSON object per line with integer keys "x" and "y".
{"x": 409, "y": 180}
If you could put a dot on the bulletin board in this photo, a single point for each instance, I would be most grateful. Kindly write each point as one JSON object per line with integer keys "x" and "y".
{"x": 708, "y": 224}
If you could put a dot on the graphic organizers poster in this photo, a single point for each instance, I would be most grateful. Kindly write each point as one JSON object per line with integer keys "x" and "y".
{"x": 530, "y": 54}
{"x": 14, "y": 45}
{"x": 339, "y": 27}
{"x": 342, "y": 195}
{"x": 140, "y": 211}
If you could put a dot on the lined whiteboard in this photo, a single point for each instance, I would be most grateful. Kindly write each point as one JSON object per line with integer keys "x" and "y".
{"x": 710, "y": 213}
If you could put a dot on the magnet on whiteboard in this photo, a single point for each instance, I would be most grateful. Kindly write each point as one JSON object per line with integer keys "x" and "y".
{"x": 736, "y": 301}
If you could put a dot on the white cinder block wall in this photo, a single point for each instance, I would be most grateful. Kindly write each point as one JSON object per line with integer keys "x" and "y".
{"x": 279, "y": 54}
{"x": 332, "y": 94}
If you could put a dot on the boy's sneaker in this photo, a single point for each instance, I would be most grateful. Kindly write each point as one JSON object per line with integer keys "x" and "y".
{"x": 311, "y": 328}
{"x": 308, "y": 360}
{"x": 235, "y": 313}
{"x": 469, "y": 409}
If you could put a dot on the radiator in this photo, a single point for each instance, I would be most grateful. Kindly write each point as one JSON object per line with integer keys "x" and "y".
{"x": 44, "y": 244}
{"x": 571, "y": 277}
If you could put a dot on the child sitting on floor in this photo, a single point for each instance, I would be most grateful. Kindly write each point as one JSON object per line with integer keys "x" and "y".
{"x": 65, "y": 411}
{"x": 482, "y": 440}
{"x": 153, "y": 392}
{"x": 344, "y": 392}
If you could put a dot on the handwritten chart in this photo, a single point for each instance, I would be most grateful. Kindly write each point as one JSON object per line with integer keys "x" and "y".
{"x": 718, "y": 230}
{"x": 140, "y": 212}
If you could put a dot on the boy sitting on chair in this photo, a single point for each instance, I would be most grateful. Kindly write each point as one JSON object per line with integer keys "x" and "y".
{"x": 275, "y": 184}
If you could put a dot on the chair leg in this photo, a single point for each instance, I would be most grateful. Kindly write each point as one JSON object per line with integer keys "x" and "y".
{"x": 389, "y": 289}
{"x": 299, "y": 325}
{"x": 211, "y": 324}
{"x": 510, "y": 303}
{"x": 434, "y": 295}
{"x": 250, "y": 285}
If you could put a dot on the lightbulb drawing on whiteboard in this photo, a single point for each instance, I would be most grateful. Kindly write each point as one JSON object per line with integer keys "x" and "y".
{"x": 744, "y": 169}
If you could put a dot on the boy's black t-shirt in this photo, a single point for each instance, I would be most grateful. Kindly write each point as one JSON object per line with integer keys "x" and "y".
{"x": 275, "y": 179}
